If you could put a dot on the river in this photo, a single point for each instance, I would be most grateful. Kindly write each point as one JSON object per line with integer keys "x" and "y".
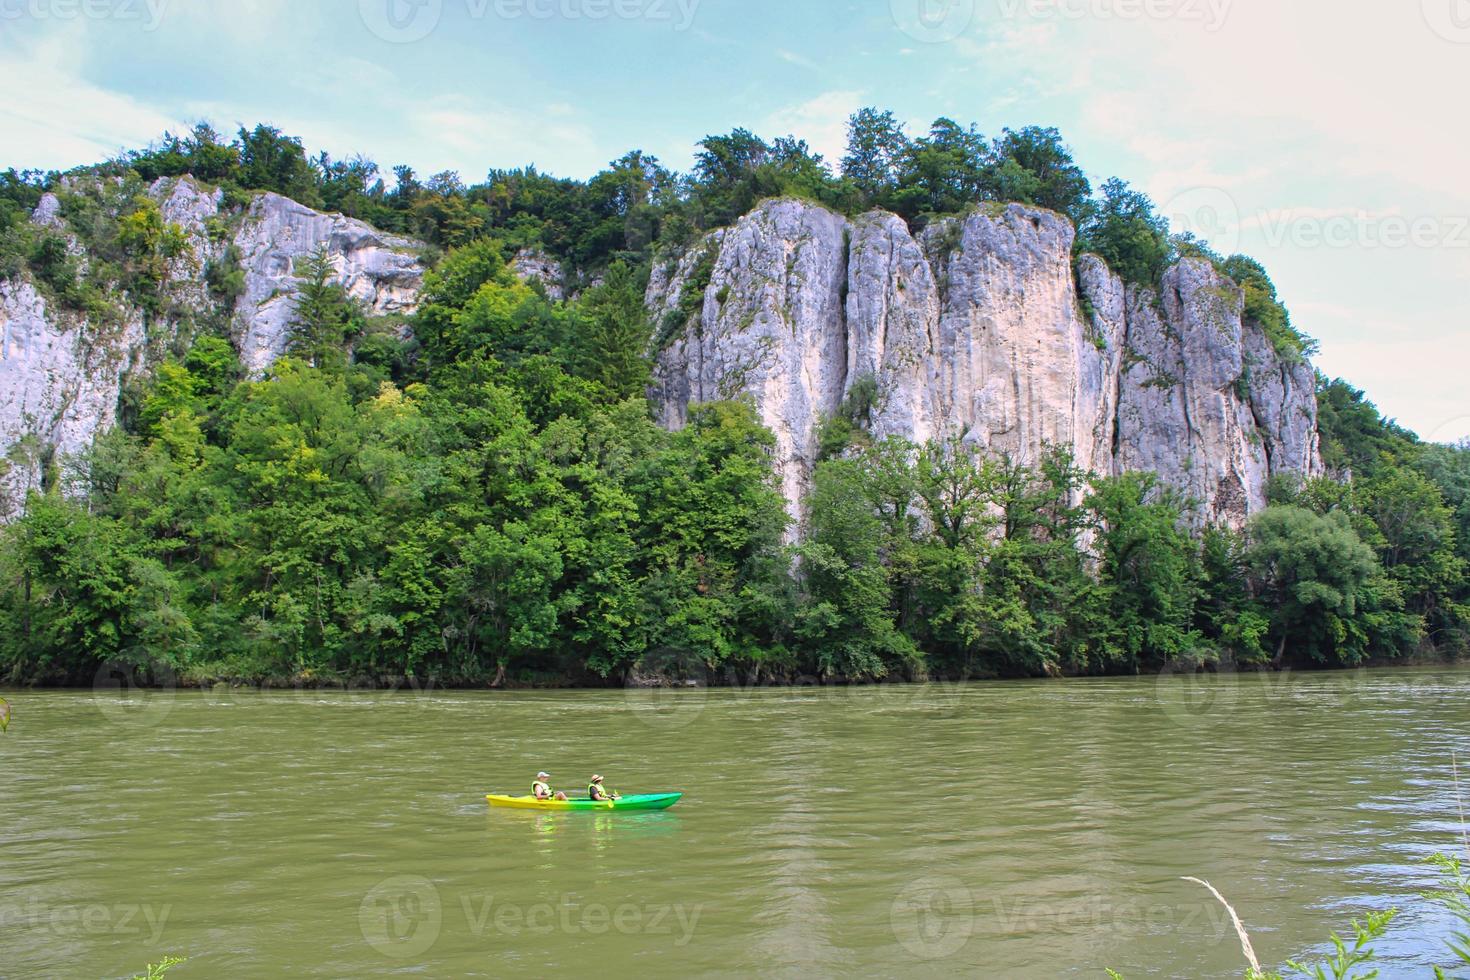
{"x": 1024, "y": 829}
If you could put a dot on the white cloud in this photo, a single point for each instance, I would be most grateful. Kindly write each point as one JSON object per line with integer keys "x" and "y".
{"x": 54, "y": 118}
{"x": 791, "y": 57}
{"x": 821, "y": 121}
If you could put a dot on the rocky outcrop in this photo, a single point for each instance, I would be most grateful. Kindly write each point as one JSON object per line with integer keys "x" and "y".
{"x": 982, "y": 327}
{"x": 61, "y": 373}
{"x": 535, "y": 266}
{"x": 59, "y": 385}
{"x": 979, "y": 328}
{"x": 381, "y": 271}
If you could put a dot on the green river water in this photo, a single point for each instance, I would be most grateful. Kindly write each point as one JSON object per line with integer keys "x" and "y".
{"x": 1001, "y": 830}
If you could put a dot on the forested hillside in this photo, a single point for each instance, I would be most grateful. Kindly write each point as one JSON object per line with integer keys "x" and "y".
{"x": 479, "y": 494}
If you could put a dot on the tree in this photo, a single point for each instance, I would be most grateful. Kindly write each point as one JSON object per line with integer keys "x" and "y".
{"x": 272, "y": 161}
{"x": 711, "y": 523}
{"x": 942, "y": 172}
{"x": 876, "y": 147}
{"x": 1127, "y": 234}
{"x": 325, "y": 317}
{"x": 210, "y": 158}
{"x": 1312, "y": 573}
{"x": 1263, "y": 306}
{"x": 616, "y": 335}
{"x": 1034, "y": 166}
{"x": 1149, "y": 567}
{"x": 82, "y": 595}
{"x": 847, "y": 624}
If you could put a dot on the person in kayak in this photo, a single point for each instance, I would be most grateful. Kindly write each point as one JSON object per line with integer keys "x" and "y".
{"x": 600, "y": 793}
{"x": 541, "y": 789}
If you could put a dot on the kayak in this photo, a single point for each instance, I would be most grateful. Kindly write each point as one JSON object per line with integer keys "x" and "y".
{"x": 648, "y": 801}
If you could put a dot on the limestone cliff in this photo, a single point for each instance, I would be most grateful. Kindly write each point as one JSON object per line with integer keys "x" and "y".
{"x": 979, "y": 327}
{"x": 62, "y": 371}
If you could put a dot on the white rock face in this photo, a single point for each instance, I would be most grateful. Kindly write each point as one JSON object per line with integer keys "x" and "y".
{"x": 382, "y": 271}
{"x": 977, "y": 329}
{"x": 532, "y": 265}
{"x": 60, "y": 376}
{"x": 56, "y": 389}
{"x": 48, "y": 212}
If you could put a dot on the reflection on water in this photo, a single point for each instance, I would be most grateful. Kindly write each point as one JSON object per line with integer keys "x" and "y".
{"x": 1018, "y": 830}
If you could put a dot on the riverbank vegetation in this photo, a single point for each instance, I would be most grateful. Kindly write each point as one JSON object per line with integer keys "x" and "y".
{"x": 486, "y": 499}
{"x": 1354, "y": 958}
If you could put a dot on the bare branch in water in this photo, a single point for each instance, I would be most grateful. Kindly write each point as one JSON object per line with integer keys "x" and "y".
{"x": 1460, "y": 802}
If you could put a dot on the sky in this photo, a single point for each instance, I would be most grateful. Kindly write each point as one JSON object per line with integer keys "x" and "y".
{"x": 1324, "y": 137}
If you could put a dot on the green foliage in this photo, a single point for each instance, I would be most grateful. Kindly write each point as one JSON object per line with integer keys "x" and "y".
{"x": 635, "y": 207}
{"x": 157, "y": 971}
{"x": 1348, "y": 961}
{"x": 225, "y": 277}
{"x": 1034, "y": 166}
{"x": 1149, "y": 567}
{"x": 1315, "y": 575}
{"x": 325, "y": 317}
{"x": 485, "y": 498}
{"x": 1127, "y": 234}
{"x": 616, "y": 334}
{"x": 939, "y": 558}
{"x": 82, "y": 591}
{"x": 1355, "y": 438}
{"x": 1263, "y": 306}
{"x": 1454, "y": 897}
{"x": 876, "y": 146}
{"x": 691, "y": 299}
